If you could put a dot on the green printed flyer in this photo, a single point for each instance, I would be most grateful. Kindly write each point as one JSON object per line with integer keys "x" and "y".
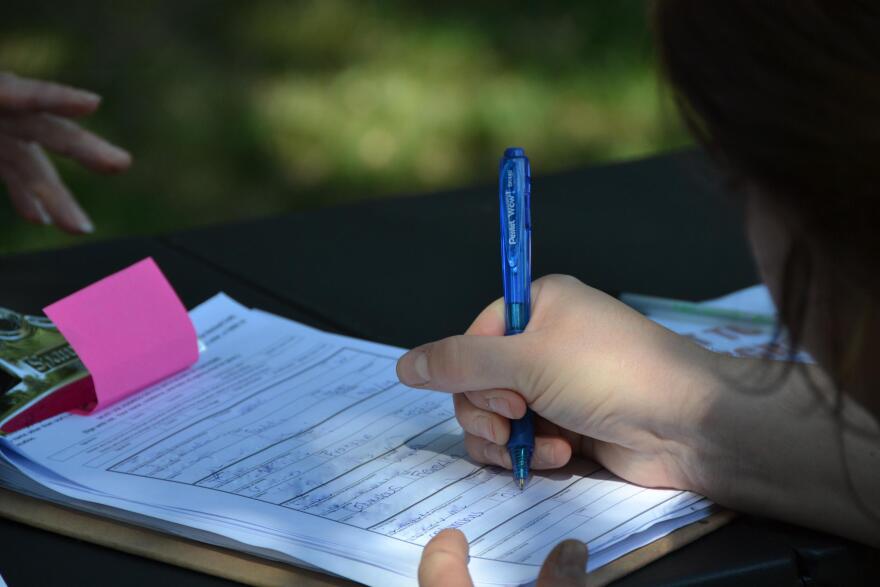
{"x": 35, "y": 360}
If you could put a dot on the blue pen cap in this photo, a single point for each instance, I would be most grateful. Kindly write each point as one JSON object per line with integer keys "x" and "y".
{"x": 514, "y": 191}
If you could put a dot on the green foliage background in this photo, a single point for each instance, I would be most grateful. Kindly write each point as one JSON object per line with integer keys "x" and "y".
{"x": 241, "y": 109}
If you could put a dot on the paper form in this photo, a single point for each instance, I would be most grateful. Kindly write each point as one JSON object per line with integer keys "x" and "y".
{"x": 755, "y": 299}
{"x": 741, "y": 340}
{"x": 286, "y": 438}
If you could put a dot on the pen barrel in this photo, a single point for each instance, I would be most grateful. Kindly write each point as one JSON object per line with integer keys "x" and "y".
{"x": 520, "y": 458}
{"x": 516, "y": 318}
{"x": 522, "y": 431}
{"x": 521, "y": 444}
{"x": 514, "y": 194}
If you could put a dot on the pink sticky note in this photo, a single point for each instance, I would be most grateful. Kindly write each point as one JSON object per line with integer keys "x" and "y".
{"x": 130, "y": 330}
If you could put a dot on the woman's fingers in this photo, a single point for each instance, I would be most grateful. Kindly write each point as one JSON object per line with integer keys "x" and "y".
{"x": 565, "y": 566}
{"x": 27, "y": 206}
{"x": 501, "y": 401}
{"x": 19, "y": 94}
{"x": 444, "y": 561}
{"x": 486, "y": 434}
{"x": 31, "y": 114}
{"x": 486, "y": 452}
{"x": 67, "y": 138}
{"x": 482, "y": 423}
{"x": 45, "y": 183}
{"x": 468, "y": 362}
{"x": 550, "y": 452}
{"x": 37, "y": 176}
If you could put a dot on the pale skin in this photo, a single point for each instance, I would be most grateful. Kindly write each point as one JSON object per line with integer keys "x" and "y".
{"x": 36, "y": 116}
{"x": 445, "y": 558}
{"x": 660, "y": 411}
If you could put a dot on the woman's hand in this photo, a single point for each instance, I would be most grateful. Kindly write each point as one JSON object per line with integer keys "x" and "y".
{"x": 445, "y": 559}
{"x": 37, "y": 114}
{"x": 606, "y": 382}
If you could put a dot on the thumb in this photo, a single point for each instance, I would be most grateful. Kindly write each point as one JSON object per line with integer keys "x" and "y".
{"x": 490, "y": 322}
{"x": 469, "y": 363}
{"x": 444, "y": 561}
{"x": 565, "y": 566}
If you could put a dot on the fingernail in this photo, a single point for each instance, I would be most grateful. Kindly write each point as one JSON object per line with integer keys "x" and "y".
{"x": 414, "y": 368}
{"x": 86, "y": 226}
{"x": 84, "y": 101}
{"x": 572, "y": 560}
{"x": 420, "y": 364}
{"x": 89, "y": 98}
{"x": 501, "y": 406}
{"x": 117, "y": 156}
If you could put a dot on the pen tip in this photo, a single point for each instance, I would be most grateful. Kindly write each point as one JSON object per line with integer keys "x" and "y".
{"x": 522, "y": 484}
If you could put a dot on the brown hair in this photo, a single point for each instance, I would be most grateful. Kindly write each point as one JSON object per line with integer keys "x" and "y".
{"x": 785, "y": 94}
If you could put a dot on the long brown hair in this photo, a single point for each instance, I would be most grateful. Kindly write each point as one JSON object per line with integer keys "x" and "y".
{"x": 785, "y": 94}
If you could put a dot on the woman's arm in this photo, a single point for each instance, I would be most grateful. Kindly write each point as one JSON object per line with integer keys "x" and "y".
{"x": 796, "y": 450}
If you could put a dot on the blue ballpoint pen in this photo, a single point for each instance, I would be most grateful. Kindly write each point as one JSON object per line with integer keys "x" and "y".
{"x": 514, "y": 192}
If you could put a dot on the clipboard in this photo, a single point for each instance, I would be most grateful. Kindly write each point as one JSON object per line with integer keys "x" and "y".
{"x": 259, "y": 572}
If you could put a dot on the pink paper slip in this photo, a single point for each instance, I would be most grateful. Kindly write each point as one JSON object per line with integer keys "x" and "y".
{"x": 130, "y": 330}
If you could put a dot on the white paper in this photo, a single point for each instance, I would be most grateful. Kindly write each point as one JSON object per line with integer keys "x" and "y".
{"x": 305, "y": 443}
{"x": 755, "y": 300}
{"x": 754, "y": 341}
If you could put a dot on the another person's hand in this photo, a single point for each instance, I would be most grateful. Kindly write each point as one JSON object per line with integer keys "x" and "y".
{"x": 36, "y": 114}
{"x": 445, "y": 559}
{"x": 607, "y": 383}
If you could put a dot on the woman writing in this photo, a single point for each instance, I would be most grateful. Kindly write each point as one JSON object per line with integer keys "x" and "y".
{"x": 786, "y": 97}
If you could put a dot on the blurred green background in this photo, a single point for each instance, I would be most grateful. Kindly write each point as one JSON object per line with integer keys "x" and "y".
{"x": 235, "y": 110}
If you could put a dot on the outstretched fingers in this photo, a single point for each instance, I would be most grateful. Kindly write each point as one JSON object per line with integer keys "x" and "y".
{"x": 24, "y": 202}
{"x": 18, "y": 94}
{"x": 35, "y": 176}
{"x": 66, "y": 138}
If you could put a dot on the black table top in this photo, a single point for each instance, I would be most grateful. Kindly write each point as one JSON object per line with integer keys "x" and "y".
{"x": 412, "y": 269}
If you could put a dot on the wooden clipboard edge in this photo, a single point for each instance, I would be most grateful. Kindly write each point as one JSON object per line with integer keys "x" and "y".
{"x": 166, "y": 548}
{"x": 259, "y": 572}
{"x": 649, "y": 553}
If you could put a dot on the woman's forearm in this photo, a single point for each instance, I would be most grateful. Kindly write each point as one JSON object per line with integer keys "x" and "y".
{"x": 786, "y": 446}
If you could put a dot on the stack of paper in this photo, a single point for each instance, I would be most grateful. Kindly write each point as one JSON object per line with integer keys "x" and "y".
{"x": 302, "y": 446}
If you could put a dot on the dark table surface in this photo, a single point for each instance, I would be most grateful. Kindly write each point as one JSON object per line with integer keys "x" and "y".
{"x": 411, "y": 269}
